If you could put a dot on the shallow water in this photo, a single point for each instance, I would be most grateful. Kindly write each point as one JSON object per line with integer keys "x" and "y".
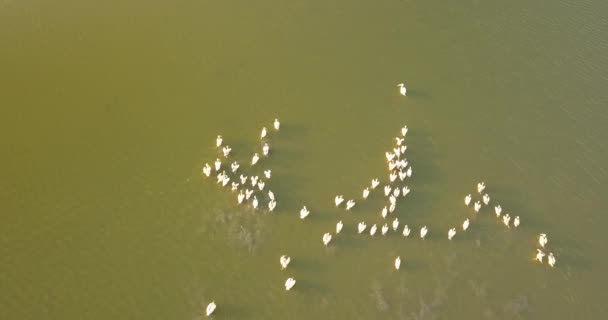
{"x": 110, "y": 110}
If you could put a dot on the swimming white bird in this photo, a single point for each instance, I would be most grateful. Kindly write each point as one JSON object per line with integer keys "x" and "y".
{"x": 406, "y": 231}
{"x": 498, "y": 210}
{"x": 389, "y": 156}
{"x": 226, "y": 151}
{"x": 276, "y": 124}
{"x": 551, "y": 259}
{"x": 480, "y": 187}
{"x": 255, "y": 202}
{"x": 235, "y": 186}
{"x": 365, "y": 193}
{"x": 225, "y": 180}
{"x": 254, "y": 180}
{"x": 218, "y": 141}
{"x": 392, "y": 165}
{"x": 384, "y": 229}
{"x": 338, "y": 200}
{"x": 465, "y": 225}
{"x": 243, "y": 179}
{"x": 284, "y": 260}
{"x": 326, "y": 238}
{"x": 304, "y": 213}
{"x": 207, "y": 170}
{"x": 375, "y": 183}
{"x": 404, "y": 131}
{"x": 539, "y": 255}
{"x": 402, "y": 175}
{"x": 373, "y": 229}
{"x": 397, "y": 151}
{"x": 402, "y": 89}
{"x": 451, "y": 233}
{"x": 392, "y": 199}
{"x": 516, "y": 222}
{"x": 423, "y": 232}
{"x": 397, "y": 263}
{"x": 255, "y": 159}
{"x": 271, "y": 205}
{"x": 387, "y": 190}
{"x": 392, "y": 176}
{"x": 405, "y": 191}
{"x": 399, "y": 140}
{"x": 506, "y": 219}
{"x": 263, "y": 134}
{"x": 290, "y": 283}
{"x": 265, "y": 149}
{"x": 210, "y": 308}
{"x": 220, "y": 177}
{"x": 409, "y": 171}
{"x": 218, "y": 164}
{"x": 248, "y": 193}
{"x": 486, "y": 199}
{"x": 477, "y": 206}
{"x": 384, "y": 212}
{"x": 350, "y": 204}
{"x": 396, "y": 192}
{"x": 261, "y": 185}
{"x": 270, "y": 195}
{"x": 240, "y": 197}
{"x": 395, "y": 224}
{"x": 391, "y": 209}
{"x": 361, "y": 227}
{"x": 339, "y": 226}
{"x": 542, "y": 240}
{"x": 234, "y": 166}
{"x": 267, "y": 173}
{"x": 467, "y": 199}
{"x": 403, "y": 149}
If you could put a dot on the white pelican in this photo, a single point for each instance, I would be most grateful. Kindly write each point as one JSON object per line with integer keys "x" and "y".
{"x": 402, "y": 175}
{"x": 384, "y": 212}
{"x": 290, "y": 283}
{"x": 542, "y": 240}
{"x": 389, "y": 156}
{"x": 516, "y": 222}
{"x": 465, "y": 225}
{"x": 338, "y": 200}
{"x": 326, "y": 238}
{"x": 391, "y": 209}
{"x": 234, "y": 166}
{"x": 243, "y": 179}
{"x": 365, "y": 193}
{"x": 395, "y": 224}
{"x": 451, "y": 233}
{"x": 397, "y": 263}
{"x": 384, "y": 229}
{"x": 220, "y": 177}
{"x": 255, "y": 202}
{"x": 248, "y": 193}
{"x": 271, "y": 205}
{"x": 372, "y": 230}
{"x": 225, "y": 180}
{"x": 409, "y": 171}
{"x": 405, "y": 191}
{"x": 423, "y": 232}
{"x": 339, "y": 226}
{"x": 240, "y": 197}
{"x": 226, "y": 151}
{"x": 218, "y": 141}
{"x": 361, "y": 227}
{"x": 276, "y": 124}
{"x": 265, "y": 149}
{"x": 467, "y": 199}
{"x": 399, "y": 140}
{"x": 486, "y": 199}
{"x": 235, "y": 186}
{"x": 404, "y": 131}
{"x": 350, "y": 204}
{"x": 477, "y": 206}
{"x": 392, "y": 199}
{"x": 498, "y": 210}
{"x": 406, "y": 231}
{"x": 255, "y": 159}
{"x": 207, "y": 169}
{"x": 392, "y": 165}
{"x": 551, "y": 259}
{"x": 254, "y": 180}
{"x": 270, "y": 195}
{"x": 284, "y": 260}
{"x": 480, "y": 187}
{"x": 506, "y": 219}
{"x": 267, "y": 173}
{"x": 304, "y": 213}
{"x": 392, "y": 177}
{"x": 218, "y": 164}
{"x": 397, "y": 153}
{"x": 387, "y": 190}
{"x": 263, "y": 134}
{"x": 375, "y": 183}
{"x": 396, "y": 192}
{"x": 403, "y": 148}
{"x": 261, "y": 185}
{"x": 402, "y": 89}
{"x": 539, "y": 255}
{"x": 210, "y": 307}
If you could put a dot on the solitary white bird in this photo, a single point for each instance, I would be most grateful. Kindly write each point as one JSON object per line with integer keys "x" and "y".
{"x": 255, "y": 202}
{"x": 304, "y": 213}
{"x": 270, "y": 195}
{"x": 506, "y": 219}
{"x": 486, "y": 199}
{"x": 207, "y": 170}
{"x": 404, "y": 131}
{"x": 339, "y": 226}
{"x": 465, "y": 225}
{"x": 551, "y": 259}
{"x": 542, "y": 240}
{"x": 267, "y": 173}
{"x": 226, "y": 151}
{"x": 365, "y": 193}
{"x": 255, "y": 159}
{"x": 271, "y": 205}
{"x": 480, "y": 187}
{"x": 402, "y": 89}
{"x": 392, "y": 176}
{"x": 391, "y": 209}
{"x": 284, "y": 260}
{"x": 390, "y": 156}
{"x": 254, "y": 180}
{"x": 387, "y": 190}
{"x": 384, "y": 212}
{"x": 375, "y": 183}
{"x": 210, "y": 308}
{"x": 235, "y": 186}
{"x": 240, "y": 197}
{"x": 263, "y": 134}
{"x": 516, "y": 222}
{"x": 350, "y": 204}
{"x": 402, "y": 175}
{"x": 338, "y": 200}
{"x": 265, "y": 149}
{"x": 467, "y": 199}
{"x": 405, "y": 191}
{"x": 423, "y": 232}
{"x": 218, "y": 141}
{"x": 399, "y": 140}
{"x": 276, "y": 124}
{"x": 261, "y": 185}
{"x": 248, "y": 193}
{"x": 396, "y": 192}
{"x": 243, "y": 179}
{"x": 451, "y": 233}
{"x": 372, "y": 230}
{"x": 326, "y": 238}
{"x": 477, "y": 206}
{"x": 218, "y": 164}
{"x": 409, "y": 171}
{"x": 406, "y": 231}
{"x": 498, "y": 210}
{"x": 395, "y": 224}
{"x": 361, "y": 227}
{"x": 384, "y": 229}
{"x": 539, "y": 255}
{"x": 290, "y": 283}
{"x": 234, "y": 166}
{"x": 392, "y": 199}
{"x": 397, "y": 263}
